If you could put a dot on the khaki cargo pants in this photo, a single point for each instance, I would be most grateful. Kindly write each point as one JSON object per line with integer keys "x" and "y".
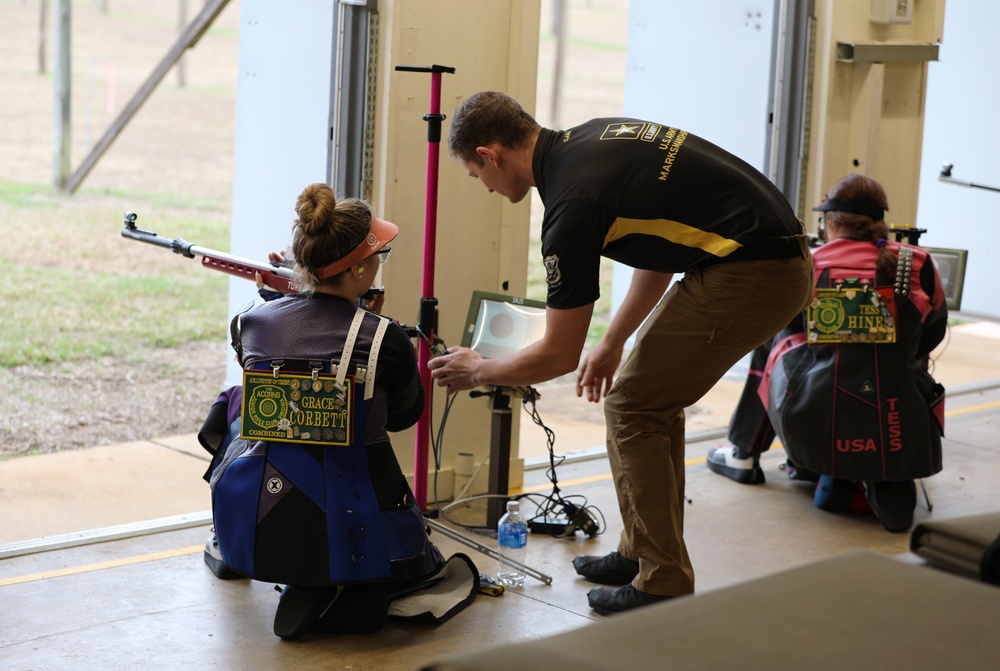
{"x": 704, "y": 325}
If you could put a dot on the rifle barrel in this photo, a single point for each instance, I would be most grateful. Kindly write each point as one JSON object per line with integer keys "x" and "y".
{"x": 278, "y": 277}
{"x": 145, "y": 236}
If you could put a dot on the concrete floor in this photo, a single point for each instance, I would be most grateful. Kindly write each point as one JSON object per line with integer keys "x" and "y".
{"x": 147, "y": 601}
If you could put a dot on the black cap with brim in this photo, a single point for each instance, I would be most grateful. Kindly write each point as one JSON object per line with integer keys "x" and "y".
{"x": 834, "y": 205}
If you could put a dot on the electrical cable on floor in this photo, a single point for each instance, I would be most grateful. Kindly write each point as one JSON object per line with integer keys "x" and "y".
{"x": 559, "y": 515}
{"x": 437, "y": 445}
{"x": 556, "y": 515}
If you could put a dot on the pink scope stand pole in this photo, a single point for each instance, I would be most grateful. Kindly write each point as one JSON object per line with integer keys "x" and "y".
{"x": 427, "y": 318}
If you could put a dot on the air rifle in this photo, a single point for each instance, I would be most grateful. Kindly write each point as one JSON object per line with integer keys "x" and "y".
{"x": 275, "y": 275}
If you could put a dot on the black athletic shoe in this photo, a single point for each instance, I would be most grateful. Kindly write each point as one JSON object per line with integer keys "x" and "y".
{"x": 611, "y": 569}
{"x": 213, "y": 558}
{"x": 607, "y": 601}
{"x": 360, "y": 609}
{"x": 300, "y": 608}
{"x": 893, "y": 503}
{"x": 726, "y": 461}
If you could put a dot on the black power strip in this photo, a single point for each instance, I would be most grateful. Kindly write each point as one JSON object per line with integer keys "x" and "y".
{"x": 548, "y": 525}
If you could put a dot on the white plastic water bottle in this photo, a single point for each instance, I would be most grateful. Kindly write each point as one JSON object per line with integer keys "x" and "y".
{"x": 512, "y": 536}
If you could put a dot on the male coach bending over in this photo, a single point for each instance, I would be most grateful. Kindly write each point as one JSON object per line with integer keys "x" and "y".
{"x": 662, "y": 201}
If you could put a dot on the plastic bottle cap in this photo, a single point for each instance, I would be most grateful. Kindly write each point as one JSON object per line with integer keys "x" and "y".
{"x": 513, "y": 506}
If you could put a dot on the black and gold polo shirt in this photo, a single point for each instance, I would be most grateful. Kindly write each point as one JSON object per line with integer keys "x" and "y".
{"x": 650, "y": 196}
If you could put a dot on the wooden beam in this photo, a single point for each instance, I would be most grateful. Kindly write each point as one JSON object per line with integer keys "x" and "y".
{"x": 43, "y": 29}
{"x": 181, "y": 22}
{"x": 187, "y": 39}
{"x": 62, "y": 79}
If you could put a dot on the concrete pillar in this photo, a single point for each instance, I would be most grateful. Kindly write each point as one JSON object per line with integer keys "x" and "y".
{"x": 482, "y": 239}
{"x": 283, "y": 141}
{"x": 868, "y": 89}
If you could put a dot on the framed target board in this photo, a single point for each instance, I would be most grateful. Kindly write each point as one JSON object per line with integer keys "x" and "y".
{"x": 499, "y": 325}
{"x": 950, "y": 264}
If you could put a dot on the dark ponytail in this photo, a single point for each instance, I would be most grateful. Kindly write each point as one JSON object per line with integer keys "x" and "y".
{"x": 857, "y": 188}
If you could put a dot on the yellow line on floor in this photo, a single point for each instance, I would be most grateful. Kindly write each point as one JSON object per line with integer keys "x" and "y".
{"x": 972, "y": 408}
{"x": 98, "y": 566}
{"x": 194, "y": 549}
{"x": 562, "y": 483}
{"x": 588, "y": 479}
{"x": 700, "y": 460}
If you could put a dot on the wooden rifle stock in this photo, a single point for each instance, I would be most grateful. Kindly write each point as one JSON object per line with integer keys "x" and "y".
{"x": 275, "y": 276}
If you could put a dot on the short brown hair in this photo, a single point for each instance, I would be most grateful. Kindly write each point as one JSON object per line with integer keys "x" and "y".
{"x": 485, "y": 117}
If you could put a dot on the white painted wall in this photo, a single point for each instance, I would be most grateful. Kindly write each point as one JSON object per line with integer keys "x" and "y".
{"x": 282, "y": 144}
{"x": 285, "y": 88}
{"x": 962, "y": 126}
{"x": 703, "y": 67}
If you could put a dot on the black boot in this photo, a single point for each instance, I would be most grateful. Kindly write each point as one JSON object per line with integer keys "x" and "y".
{"x": 300, "y": 608}
{"x": 607, "y": 601}
{"x": 611, "y": 569}
{"x": 893, "y": 503}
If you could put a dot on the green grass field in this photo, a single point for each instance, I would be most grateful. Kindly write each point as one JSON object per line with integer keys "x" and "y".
{"x": 77, "y": 289}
